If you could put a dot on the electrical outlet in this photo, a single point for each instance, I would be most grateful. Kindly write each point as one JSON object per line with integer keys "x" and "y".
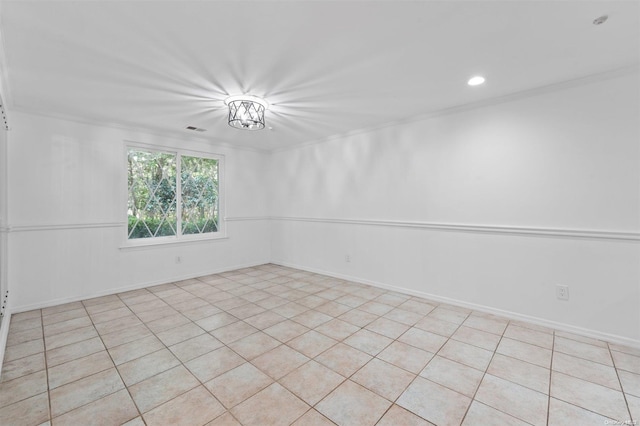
{"x": 178, "y": 259}
{"x": 562, "y": 292}
{"x": 347, "y": 258}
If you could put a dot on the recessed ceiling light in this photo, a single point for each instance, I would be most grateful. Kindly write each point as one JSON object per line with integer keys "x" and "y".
{"x": 474, "y": 81}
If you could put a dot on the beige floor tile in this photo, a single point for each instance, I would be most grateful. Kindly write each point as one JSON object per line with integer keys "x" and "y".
{"x": 587, "y": 370}
{"x": 312, "y": 301}
{"x": 351, "y": 300}
{"x": 142, "y": 368}
{"x": 383, "y": 378}
{"x": 337, "y": 329}
{"x": 434, "y": 402}
{"x": 406, "y": 356}
{"x": 417, "y": 307}
{"x": 513, "y": 399}
{"x": 599, "y": 399}
{"x": 376, "y": 308}
{"x": 31, "y": 411}
{"x": 388, "y": 328}
{"x": 343, "y": 359}
{"x": 232, "y": 332}
{"x": 22, "y": 350}
{"x": 333, "y": 309}
{"x": 358, "y": 318}
{"x": 61, "y": 308}
{"x": 113, "y": 409}
{"x": 311, "y": 318}
{"x": 583, "y": 350}
{"x": 437, "y": 326}
{"x": 135, "y": 349}
{"x": 201, "y": 312}
{"x": 614, "y": 347}
{"x": 79, "y": 368}
{"x": 135, "y": 422}
{"x": 280, "y": 361}
{"x": 264, "y": 320}
{"x": 352, "y": 404}
{"x": 127, "y": 335}
{"x": 195, "y": 407}
{"x": 449, "y": 315}
{"x": 630, "y": 382}
{"x": 562, "y": 413}
{"x": 286, "y": 330}
{"x": 290, "y": 309}
{"x": 464, "y": 353}
{"x": 212, "y": 364}
{"x": 368, "y": 341}
{"x": 25, "y": 324}
{"x": 579, "y": 338}
{"x": 392, "y": 299}
{"x": 272, "y": 302}
{"x": 238, "y": 384}
{"x": 491, "y": 325}
{"x": 179, "y": 334}
{"x": 22, "y": 367}
{"x": 313, "y": 418}
{"x": 525, "y": 352}
{"x": 634, "y": 407}
{"x": 74, "y": 351}
{"x": 272, "y": 406}
{"x": 195, "y": 347}
{"x": 254, "y": 345}
{"x": 247, "y": 310}
{"x": 64, "y": 326}
{"x": 21, "y": 316}
{"x": 311, "y": 382}
{"x": 397, "y": 416}
{"x": 109, "y": 315}
{"x": 83, "y": 391}
{"x": 216, "y": 321}
{"x": 405, "y": 317}
{"x": 64, "y": 316}
{"x": 453, "y": 375}
{"x": 22, "y": 388}
{"x": 423, "y": 339}
{"x": 24, "y": 336}
{"x": 74, "y": 336}
{"x": 120, "y": 324}
{"x": 480, "y": 414}
{"x": 533, "y": 337}
{"x": 479, "y": 338}
{"x": 627, "y": 362}
{"x": 520, "y": 372}
{"x": 312, "y": 343}
{"x": 160, "y": 388}
{"x": 224, "y": 420}
{"x": 167, "y": 323}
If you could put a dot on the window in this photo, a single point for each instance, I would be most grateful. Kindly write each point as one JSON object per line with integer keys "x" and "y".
{"x": 171, "y": 195}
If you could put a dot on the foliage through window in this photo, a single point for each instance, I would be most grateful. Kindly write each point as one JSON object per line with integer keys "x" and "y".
{"x": 161, "y": 204}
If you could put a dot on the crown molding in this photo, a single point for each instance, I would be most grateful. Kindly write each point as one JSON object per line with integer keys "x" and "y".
{"x": 166, "y": 134}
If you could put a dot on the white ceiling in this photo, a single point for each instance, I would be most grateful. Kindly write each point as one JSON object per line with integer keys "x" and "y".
{"x": 326, "y": 67}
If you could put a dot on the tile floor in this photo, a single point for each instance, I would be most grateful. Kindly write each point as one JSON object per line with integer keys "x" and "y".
{"x": 276, "y": 346}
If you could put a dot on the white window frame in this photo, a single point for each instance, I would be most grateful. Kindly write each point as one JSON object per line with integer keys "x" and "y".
{"x": 175, "y": 239}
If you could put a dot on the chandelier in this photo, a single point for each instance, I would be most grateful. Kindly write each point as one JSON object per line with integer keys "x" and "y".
{"x": 246, "y": 112}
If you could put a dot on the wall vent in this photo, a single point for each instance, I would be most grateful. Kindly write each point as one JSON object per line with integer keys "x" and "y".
{"x": 196, "y": 129}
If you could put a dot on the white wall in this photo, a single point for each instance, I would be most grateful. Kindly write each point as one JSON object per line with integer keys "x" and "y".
{"x": 3, "y": 216}
{"x": 67, "y": 189}
{"x": 564, "y": 160}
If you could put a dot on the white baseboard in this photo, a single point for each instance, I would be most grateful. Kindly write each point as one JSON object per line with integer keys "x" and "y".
{"x": 4, "y": 332}
{"x": 145, "y": 284}
{"x": 611, "y": 338}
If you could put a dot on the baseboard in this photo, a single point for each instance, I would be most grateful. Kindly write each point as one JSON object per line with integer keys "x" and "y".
{"x": 4, "y": 332}
{"x": 137, "y": 286}
{"x": 611, "y": 338}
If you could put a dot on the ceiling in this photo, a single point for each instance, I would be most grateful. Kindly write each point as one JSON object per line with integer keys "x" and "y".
{"x": 326, "y": 67}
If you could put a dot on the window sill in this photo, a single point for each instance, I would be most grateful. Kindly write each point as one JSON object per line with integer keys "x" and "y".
{"x": 164, "y": 242}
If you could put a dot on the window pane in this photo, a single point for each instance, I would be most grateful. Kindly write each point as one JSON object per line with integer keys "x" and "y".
{"x": 199, "y": 195}
{"x": 152, "y": 194}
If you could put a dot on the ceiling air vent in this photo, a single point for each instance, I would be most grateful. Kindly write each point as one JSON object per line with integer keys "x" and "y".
{"x": 196, "y": 129}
